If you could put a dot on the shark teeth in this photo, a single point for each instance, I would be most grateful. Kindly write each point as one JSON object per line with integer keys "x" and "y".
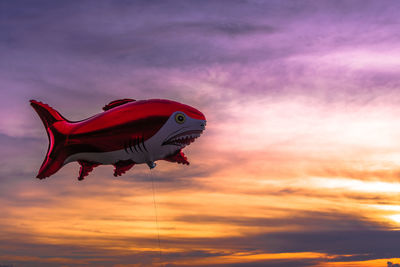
{"x": 183, "y": 139}
{"x": 187, "y": 140}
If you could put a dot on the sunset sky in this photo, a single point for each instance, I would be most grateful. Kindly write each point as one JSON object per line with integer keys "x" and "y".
{"x": 299, "y": 164}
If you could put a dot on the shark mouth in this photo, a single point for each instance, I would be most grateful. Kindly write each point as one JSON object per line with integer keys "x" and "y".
{"x": 183, "y": 139}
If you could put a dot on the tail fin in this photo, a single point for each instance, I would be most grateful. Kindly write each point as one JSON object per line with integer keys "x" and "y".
{"x": 55, "y": 153}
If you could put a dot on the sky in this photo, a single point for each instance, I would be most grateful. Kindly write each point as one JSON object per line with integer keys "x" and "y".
{"x": 299, "y": 162}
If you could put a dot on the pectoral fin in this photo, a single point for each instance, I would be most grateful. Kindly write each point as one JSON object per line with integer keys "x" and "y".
{"x": 122, "y": 166}
{"x": 86, "y": 168}
{"x": 179, "y": 157}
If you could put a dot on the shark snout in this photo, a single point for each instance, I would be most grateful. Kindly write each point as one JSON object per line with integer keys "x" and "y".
{"x": 203, "y": 125}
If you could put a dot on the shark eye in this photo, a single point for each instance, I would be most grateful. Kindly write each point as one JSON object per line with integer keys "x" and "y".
{"x": 180, "y": 118}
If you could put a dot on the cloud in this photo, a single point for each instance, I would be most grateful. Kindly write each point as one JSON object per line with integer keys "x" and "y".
{"x": 373, "y": 243}
{"x": 299, "y": 219}
{"x": 230, "y": 28}
{"x": 266, "y": 263}
{"x": 291, "y": 90}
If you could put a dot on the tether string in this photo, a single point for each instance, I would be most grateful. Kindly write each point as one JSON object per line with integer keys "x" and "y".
{"x": 155, "y": 213}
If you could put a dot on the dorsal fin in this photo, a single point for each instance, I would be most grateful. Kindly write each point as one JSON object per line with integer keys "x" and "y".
{"x": 117, "y": 103}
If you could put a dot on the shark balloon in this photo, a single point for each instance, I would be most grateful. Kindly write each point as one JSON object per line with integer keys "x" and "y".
{"x": 128, "y": 132}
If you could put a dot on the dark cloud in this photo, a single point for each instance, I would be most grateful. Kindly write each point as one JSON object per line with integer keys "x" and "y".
{"x": 266, "y": 263}
{"x": 30, "y": 254}
{"x": 370, "y": 244}
{"x": 376, "y": 243}
{"x": 304, "y": 219}
{"x": 230, "y": 28}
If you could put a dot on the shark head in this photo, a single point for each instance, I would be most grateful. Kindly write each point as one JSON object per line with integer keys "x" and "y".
{"x": 181, "y": 130}
{"x": 183, "y": 126}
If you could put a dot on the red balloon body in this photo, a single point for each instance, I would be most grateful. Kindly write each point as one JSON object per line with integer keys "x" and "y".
{"x": 128, "y": 132}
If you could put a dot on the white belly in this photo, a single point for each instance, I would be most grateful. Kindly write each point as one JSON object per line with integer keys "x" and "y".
{"x": 154, "y": 151}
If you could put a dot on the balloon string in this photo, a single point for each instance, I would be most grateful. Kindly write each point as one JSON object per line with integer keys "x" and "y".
{"x": 155, "y": 213}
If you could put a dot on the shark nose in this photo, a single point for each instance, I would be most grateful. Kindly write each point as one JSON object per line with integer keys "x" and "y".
{"x": 203, "y": 124}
